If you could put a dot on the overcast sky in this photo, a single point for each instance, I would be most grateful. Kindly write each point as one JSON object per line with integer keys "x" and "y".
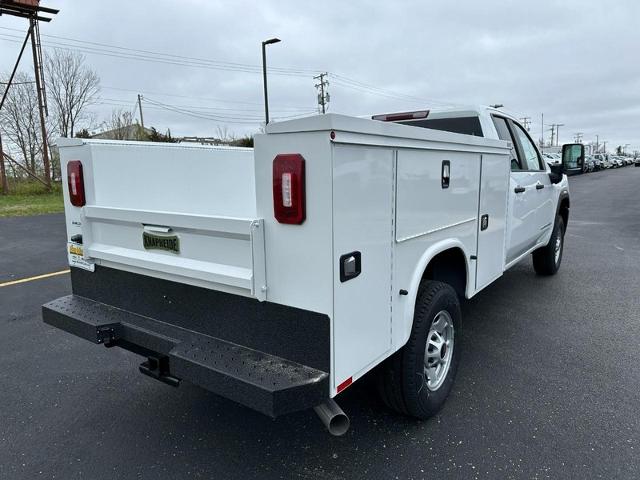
{"x": 576, "y": 61}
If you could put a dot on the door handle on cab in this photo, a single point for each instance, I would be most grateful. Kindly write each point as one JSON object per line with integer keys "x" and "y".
{"x": 519, "y": 189}
{"x": 539, "y": 186}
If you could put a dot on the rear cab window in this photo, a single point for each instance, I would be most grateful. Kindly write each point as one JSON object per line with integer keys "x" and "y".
{"x": 465, "y": 125}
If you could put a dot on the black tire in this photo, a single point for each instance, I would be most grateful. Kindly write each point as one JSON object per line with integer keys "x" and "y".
{"x": 402, "y": 382}
{"x": 545, "y": 261}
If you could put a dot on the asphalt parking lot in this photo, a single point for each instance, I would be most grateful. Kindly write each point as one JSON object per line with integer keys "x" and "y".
{"x": 548, "y": 386}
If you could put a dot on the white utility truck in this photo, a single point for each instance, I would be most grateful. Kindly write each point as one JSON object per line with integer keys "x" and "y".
{"x": 276, "y": 277}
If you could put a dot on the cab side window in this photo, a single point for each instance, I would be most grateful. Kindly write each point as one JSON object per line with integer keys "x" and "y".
{"x": 531, "y": 159}
{"x": 505, "y": 134}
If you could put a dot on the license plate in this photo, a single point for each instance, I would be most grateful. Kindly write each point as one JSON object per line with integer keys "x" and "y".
{"x": 170, "y": 243}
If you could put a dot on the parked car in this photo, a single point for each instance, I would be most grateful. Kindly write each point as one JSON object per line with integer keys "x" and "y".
{"x": 629, "y": 160}
{"x": 637, "y": 162}
{"x": 603, "y": 161}
{"x": 234, "y": 282}
{"x": 589, "y": 164}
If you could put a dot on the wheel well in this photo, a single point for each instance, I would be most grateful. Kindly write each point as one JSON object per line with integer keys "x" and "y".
{"x": 563, "y": 211}
{"x": 449, "y": 267}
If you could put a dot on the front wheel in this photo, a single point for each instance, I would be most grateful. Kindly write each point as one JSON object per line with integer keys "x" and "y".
{"x": 547, "y": 260}
{"x": 417, "y": 379}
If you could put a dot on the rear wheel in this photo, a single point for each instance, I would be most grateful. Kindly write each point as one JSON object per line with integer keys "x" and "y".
{"x": 547, "y": 260}
{"x": 417, "y": 379}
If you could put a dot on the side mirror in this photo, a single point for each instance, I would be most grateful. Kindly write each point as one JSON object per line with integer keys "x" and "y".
{"x": 556, "y": 173}
{"x": 572, "y": 158}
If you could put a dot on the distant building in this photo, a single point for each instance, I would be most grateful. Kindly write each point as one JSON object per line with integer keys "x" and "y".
{"x": 128, "y": 132}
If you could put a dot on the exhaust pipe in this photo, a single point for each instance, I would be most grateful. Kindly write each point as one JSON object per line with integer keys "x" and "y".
{"x": 332, "y": 416}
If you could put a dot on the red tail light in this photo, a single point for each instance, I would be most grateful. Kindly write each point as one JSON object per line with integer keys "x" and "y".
{"x": 76, "y": 183}
{"x": 288, "y": 188}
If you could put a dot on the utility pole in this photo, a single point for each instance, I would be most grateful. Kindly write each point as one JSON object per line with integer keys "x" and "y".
{"x": 140, "y": 108}
{"x": 542, "y": 132}
{"x": 597, "y": 145}
{"x": 577, "y": 137}
{"x": 3, "y": 172}
{"x": 526, "y": 123}
{"x": 42, "y": 99}
{"x": 604, "y": 146}
{"x": 32, "y": 11}
{"x": 558, "y": 125}
{"x": 323, "y": 95}
{"x": 553, "y": 131}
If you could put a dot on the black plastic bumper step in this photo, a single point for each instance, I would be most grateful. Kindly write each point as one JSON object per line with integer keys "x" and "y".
{"x": 264, "y": 382}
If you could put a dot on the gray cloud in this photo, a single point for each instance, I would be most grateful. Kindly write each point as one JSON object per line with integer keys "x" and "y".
{"x": 575, "y": 61}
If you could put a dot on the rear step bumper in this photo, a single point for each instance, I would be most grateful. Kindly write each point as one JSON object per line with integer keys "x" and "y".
{"x": 264, "y": 382}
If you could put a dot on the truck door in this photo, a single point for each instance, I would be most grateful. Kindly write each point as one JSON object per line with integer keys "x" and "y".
{"x": 521, "y": 205}
{"x": 362, "y": 240}
{"x": 542, "y": 196}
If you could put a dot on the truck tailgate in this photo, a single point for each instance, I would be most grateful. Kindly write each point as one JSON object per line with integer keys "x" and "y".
{"x": 183, "y": 213}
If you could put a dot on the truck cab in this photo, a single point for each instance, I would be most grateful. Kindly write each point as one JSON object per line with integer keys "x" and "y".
{"x": 532, "y": 196}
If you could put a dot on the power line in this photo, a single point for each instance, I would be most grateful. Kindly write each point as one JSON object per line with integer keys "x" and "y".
{"x": 358, "y": 85}
{"x": 194, "y": 62}
{"x": 221, "y": 109}
{"x": 207, "y": 99}
{"x": 159, "y": 57}
{"x": 127, "y": 53}
{"x": 218, "y": 118}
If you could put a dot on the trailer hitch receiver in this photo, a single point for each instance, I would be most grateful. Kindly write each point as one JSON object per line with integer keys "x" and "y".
{"x": 158, "y": 368}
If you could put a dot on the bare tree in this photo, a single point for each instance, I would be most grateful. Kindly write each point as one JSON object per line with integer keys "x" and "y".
{"x": 71, "y": 88}
{"x": 120, "y": 127}
{"x": 19, "y": 120}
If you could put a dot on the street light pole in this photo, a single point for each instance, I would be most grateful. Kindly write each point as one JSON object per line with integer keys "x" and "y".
{"x": 264, "y": 76}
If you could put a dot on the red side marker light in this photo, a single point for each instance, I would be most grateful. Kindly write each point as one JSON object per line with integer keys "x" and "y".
{"x": 345, "y": 384}
{"x": 289, "y": 202}
{"x": 75, "y": 180}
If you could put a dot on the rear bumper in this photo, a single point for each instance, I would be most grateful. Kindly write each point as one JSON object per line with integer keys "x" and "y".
{"x": 269, "y": 384}
{"x": 214, "y": 340}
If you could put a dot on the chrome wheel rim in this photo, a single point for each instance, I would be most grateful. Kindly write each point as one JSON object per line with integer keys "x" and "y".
{"x": 439, "y": 350}
{"x": 557, "y": 248}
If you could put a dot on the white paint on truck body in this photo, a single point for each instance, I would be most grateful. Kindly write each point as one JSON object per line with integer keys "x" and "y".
{"x": 371, "y": 187}
{"x": 377, "y": 190}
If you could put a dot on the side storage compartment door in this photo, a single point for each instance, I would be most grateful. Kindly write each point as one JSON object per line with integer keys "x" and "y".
{"x": 492, "y": 213}
{"x": 362, "y": 238}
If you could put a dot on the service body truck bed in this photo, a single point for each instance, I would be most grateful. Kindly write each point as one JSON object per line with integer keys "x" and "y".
{"x": 277, "y": 277}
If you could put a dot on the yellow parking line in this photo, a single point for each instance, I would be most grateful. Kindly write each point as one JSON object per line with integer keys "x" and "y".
{"x": 37, "y": 277}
